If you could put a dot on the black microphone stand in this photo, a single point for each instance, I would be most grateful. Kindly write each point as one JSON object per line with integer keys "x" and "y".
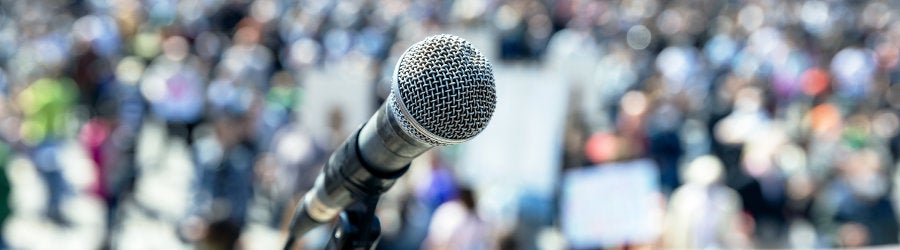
{"x": 357, "y": 228}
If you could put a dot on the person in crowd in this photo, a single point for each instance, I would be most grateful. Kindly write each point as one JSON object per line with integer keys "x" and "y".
{"x": 704, "y": 213}
{"x": 225, "y": 162}
{"x": 45, "y": 105}
{"x": 456, "y": 225}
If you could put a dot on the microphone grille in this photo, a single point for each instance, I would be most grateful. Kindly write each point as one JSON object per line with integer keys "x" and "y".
{"x": 444, "y": 90}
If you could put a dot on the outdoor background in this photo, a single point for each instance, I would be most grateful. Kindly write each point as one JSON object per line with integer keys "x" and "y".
{"x": 621, "y": 124}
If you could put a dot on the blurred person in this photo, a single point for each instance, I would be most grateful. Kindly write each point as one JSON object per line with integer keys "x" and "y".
{"x": 109, "y": 137}
{"x": 894, "y": 143}
{"x": 45, "y": 105}
{"x": 404, "y": 219}
{"x": 615, "y": 73}
{"x": 225, "y": 162}
{"x": 574, "y": 137}
{"x": 765, "y": 196}
{"x": 126, "y": 113}
{"x": 456, "y": 225}
{"x": 173, "y": 86}
{"x": 799, "y": 190}
{"x": 296, "y": 161}
{"x": 6, "y": 155}
{"x": 93, "y": 68}
{"x": 524, "y": 29}
{"x": 631, "y": 125}
{"x": 280, "y": 102}
{"x": 862, "y": 209}
{"x": 787, "y": 69}
{"x": 439, "y": 186}
{"x": 799, "y": 210}
{"x": 249, "y": 61}
{"x": 665, "y": 144}
{"x": 535, "y": 215}
{"x": 94, "y": 137}
{"x": 427, "y": 188}
{"x": 103, "y": 97}
{"x": 627, "y": 140}
{"x": 680, "y": 69}
{"x": 853, "y": 69}
{"x": 221, "y": 235}
{"x": 825, "y": 125}
{"x": 704, "y": 213}
{"x": 852, "y": 235}
{"x": 732, "y": 134}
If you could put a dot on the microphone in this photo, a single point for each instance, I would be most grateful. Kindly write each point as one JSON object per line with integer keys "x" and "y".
{"x": 442, "y": 93}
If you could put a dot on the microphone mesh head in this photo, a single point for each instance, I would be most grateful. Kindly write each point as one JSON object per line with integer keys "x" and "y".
{"x": 443, "y": 91}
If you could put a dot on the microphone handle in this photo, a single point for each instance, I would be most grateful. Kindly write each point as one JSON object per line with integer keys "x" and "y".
{"x": 346, "y": 178}
{"x": 383, "y": 144}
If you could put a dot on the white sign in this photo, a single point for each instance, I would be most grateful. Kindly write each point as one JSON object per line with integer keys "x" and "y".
{"x": 612, "y": 204}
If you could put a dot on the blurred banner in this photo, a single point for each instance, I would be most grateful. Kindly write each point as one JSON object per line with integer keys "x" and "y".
{"x": 611, "y": 204}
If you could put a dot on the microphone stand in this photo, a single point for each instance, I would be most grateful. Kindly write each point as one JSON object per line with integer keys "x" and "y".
{"x": 358, "y": 228}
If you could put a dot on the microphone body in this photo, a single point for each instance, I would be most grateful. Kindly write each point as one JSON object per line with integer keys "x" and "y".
{"x": 365, "y": 165}
{"x": 442, "y": 93}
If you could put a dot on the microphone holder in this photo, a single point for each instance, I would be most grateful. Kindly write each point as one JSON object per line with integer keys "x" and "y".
{"x": 357, "y": 227}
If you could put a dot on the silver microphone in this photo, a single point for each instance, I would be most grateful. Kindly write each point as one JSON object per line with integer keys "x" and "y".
{"x": 442, "y": 93}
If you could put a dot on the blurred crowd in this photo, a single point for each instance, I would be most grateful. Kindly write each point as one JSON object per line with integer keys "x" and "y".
{"x": 795, "y": 102}
{"x": 773, "y": 124}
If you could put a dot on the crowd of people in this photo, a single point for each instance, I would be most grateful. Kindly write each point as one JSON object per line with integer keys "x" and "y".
{"x": 795, "y": 102}
{"x": 772, "y": 123}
